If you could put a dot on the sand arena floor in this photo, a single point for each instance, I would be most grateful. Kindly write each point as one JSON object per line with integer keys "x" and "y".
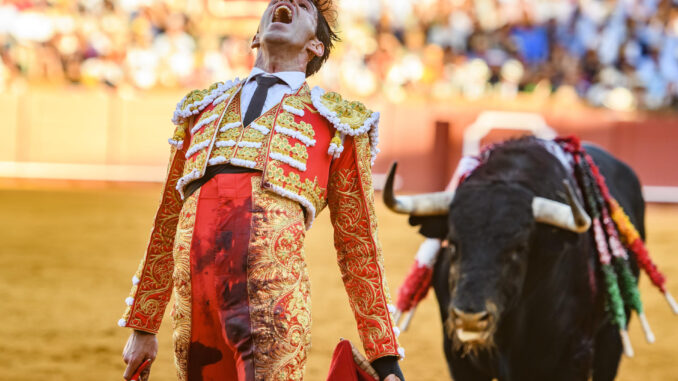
{"x": 69, "y": 251}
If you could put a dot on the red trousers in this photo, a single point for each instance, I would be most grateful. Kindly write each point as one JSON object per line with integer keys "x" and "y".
{"x": 250, "y": 300}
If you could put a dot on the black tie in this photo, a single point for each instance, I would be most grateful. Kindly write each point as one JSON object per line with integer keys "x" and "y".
{"x": 257, "y": 103}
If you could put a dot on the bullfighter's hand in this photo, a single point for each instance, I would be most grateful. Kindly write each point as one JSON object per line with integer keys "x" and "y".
{"x": 392, "y": 377}
{"x": 140, "y": 346}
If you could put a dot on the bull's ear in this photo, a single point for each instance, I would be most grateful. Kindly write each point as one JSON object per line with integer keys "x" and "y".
{"x": 431, "y": 226}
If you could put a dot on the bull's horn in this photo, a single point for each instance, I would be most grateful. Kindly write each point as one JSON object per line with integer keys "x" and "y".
{"x": 570, "y": 216}
{"x": 427, "y": 204}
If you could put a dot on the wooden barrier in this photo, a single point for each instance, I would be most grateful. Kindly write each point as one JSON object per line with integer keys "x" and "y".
{"x": 101, "y": 135}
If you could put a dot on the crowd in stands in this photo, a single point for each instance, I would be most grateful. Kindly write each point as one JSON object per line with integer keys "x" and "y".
{"x": 621, "y": 54}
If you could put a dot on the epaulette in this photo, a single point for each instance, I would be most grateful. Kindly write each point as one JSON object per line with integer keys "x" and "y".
{"x": 196, "y": 101}
{"x": 348, "y": 118}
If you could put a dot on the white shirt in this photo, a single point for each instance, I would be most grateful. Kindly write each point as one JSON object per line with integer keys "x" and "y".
{"x": 292, "y": 81}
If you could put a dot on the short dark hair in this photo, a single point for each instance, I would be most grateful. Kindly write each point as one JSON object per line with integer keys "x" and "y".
{"x": 324, "y": 33}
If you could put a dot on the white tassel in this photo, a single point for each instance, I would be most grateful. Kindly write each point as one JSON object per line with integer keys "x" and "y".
{"x": 229, "y": 126}
{"x": 296, "y": 134}
{"x": 335, "y": 151}
{"x": 227, "y": 143}
{"x": 396, "y": 331}
{"x": 246, "y": 144}
{"x": 179, "y": 144}
{"x": 672, "y": 302}
{"x": 649, "y": 336}
{"x": 197, "y": 147}
{"x": 243, "y": 163}
{"x": 260, "y": 128}
{"x": 217, "y": 160}
{"x": 288, "y": 160}
{"x": 135, "y": 280}
{"x": 203, "y": 122}
{"x": 626, "y": 342}
{"x": 292, "y": 110}
{"x": 194, "y": 174}
{"x": 391, "y": 308}
{"x": 401, "y": 352}
{"x": 122, "y": 323}
{"x": 129, "y": 301}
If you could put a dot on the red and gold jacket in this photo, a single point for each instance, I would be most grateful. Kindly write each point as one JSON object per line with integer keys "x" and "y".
{"x": 314, "y": 148}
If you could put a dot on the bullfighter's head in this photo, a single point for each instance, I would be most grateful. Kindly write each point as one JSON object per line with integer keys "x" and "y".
{"x": 295, "y": 35}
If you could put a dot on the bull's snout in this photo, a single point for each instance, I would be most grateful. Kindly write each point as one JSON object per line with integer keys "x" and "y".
{"x": 471, "y": 326}
{"x": 476, "y": 321}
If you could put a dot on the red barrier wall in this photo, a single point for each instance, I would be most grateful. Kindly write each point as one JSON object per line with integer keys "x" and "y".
{"x": 426, "y": 139}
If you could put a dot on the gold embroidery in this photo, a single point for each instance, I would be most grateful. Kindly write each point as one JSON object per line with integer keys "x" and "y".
{"x": 278, "y": 287}
{"x": 353, "y": 114}
{"x": 252, "y": 135}
{"x": 359, "y": 253}
{"x": 301, "y": 101}
{"x": 151, "y": 294}
{"x": 233, "y": 112}
{"x": 181, "y": 312}
{"x": 195, "y": 162}
{"x": 310, "y": 190}
{"x": 247, "y": 153}
{"x": 180, "y": 132}
{"x": 286, "y": 120}
{"x": 195, "y": 96}
{"x": 281, "y": 145}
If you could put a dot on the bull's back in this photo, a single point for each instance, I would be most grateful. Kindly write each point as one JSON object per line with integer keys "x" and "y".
{"x": 623, "y": 183}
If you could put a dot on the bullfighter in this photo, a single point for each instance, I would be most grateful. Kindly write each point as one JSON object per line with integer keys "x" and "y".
{"x": 252, "y": 164}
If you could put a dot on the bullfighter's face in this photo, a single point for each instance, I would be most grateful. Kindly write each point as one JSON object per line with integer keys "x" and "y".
{"x": 489, "y": 232}
{"x": 289, "y": 25}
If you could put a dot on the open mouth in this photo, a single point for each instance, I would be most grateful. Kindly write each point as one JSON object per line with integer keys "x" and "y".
{"x": 282, "y": 14}
{"x": 466, "y": 336}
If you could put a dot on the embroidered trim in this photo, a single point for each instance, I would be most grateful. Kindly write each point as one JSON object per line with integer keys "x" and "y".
{"x": 178, "y": 144}
{"x": 293, "y": 110}
{"x": 229, "y": 126}
{"x": 194, "y": 149}
{"x": 217, "y": 160}
{"x": 264, "y": 130}
{"x": 193, "y": 175}
{"x": 374, "y": 139}
{"x": 370, "y": 124}
{"x": 183, "y": 112}
{"x": 220, "y": 99}
{"x": 203, "y": 122}
{"x": 288, "y": 160}
{"x": 310, "y": 209}
{"x": 243, "y": 162}
{"x": 227, "y": 143}
{"x": 249, "y": 144}
{"x": 295, "y": 134}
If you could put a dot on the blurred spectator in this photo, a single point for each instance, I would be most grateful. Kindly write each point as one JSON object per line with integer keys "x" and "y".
{"x": 617, "y": 54}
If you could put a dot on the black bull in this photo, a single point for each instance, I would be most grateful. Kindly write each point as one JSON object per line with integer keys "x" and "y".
{"x": 526, "y": 297}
